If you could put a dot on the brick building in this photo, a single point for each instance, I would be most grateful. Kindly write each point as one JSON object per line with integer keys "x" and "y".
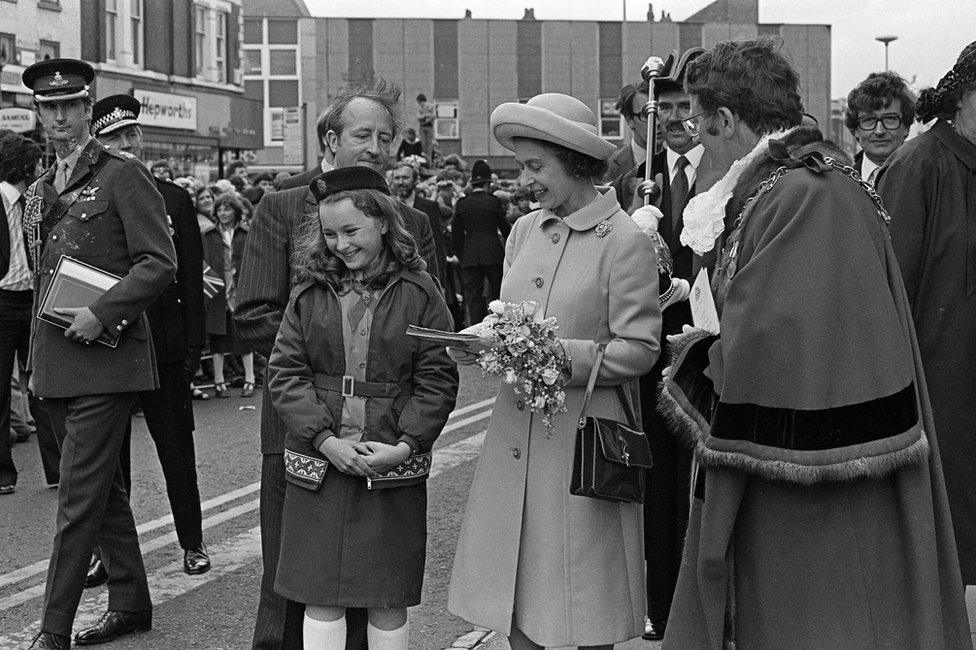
{"x": 468, "y": 66}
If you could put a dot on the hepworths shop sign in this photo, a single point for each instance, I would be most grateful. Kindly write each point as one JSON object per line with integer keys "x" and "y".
{"x": 166, "y": 110}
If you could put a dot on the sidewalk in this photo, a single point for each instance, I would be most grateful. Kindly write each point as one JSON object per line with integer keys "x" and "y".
{"x": 484, "y": 640}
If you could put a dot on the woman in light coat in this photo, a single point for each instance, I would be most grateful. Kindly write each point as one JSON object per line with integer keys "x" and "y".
{"x": 533, "y": 562}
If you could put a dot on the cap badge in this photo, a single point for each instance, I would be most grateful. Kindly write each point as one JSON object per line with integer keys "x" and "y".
{"x": 603, "y": 228}
{"x": 323, "y": 186}
{"x": 58, "y": 80}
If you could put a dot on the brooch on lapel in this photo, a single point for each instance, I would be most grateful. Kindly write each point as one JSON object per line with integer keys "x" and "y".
{"x": 603, "y": 228}
{"x": 88, "y": 194}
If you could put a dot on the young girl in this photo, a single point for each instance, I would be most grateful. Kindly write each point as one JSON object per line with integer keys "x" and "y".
{"x": 359, "y": 398}
{"x": 223, "y": 249}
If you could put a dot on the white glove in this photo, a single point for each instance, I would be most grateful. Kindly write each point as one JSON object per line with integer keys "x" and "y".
{"x": 646, "y": 217}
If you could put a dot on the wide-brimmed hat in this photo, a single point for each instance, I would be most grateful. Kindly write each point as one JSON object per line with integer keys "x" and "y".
{"x": 552, "y": 117}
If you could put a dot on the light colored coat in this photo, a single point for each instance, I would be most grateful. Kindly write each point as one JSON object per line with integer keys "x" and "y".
{"x": 566, "y": 570}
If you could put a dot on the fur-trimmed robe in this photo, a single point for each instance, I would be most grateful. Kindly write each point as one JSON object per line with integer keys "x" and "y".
{"x": 820, "y": 516}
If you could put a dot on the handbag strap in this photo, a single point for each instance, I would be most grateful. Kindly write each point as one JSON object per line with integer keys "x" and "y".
{"x": 591, "y": 384}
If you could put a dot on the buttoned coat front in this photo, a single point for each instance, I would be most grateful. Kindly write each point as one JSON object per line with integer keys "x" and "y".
{"x": 566, "y": 570}
{"x": 116, "y": 222}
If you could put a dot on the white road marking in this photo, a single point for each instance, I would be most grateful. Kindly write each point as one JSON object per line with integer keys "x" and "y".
{"x": 31, "y": 570}
{"x": 169, "y": 582}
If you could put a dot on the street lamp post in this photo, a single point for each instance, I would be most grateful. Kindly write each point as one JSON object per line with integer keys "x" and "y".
{"x": 886, "y": 40}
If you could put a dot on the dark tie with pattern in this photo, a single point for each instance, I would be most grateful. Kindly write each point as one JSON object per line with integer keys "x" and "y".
{"x": 679, "y": 195}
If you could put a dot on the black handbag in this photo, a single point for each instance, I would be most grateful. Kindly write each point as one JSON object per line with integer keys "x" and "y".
{"x": 610, "y": 457}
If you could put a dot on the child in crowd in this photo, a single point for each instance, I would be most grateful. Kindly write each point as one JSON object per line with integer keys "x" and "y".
{"x": 363, "y": 404}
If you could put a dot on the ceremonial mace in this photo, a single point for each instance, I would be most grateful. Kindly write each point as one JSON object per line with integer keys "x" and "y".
{"x": 650, "y": 71}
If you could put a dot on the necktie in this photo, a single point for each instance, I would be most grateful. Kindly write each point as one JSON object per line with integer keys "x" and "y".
{"x": 61, "y": 176}
{"x": 873, "y": 175}
{"x": 679, "y": 194}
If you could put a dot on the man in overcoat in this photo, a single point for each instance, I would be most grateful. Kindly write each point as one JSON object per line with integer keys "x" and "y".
{"x": 403, "y": 184}
{"x": 101, "y": 209}
{"x": 363, "y": 124}
{"x": 176, "y": 320}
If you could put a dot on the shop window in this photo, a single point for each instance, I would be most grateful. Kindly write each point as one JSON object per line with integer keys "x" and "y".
{"x": 611, "y": 124}
{"x": 111, "y": 29}
{"x": 8, "y": 48}
{"x": 49, "y": 50}
{"x": 252, "y": 62}
{"x": 282, "y": 93}
{"x": 446, "y": 120}
{"x": 282, "y": 62}
{"x": 253, "y": 31}
{"x": 283, "y": 32}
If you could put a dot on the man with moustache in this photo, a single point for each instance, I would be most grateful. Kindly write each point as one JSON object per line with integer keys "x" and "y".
{"x": 667, "y": 486}
{"x": 176, "y": 321}
{"x": 100, "y": 208}
{"x": 403, "y": 183}
{"x": 358, "y": 128}
{"x": 880, "y": 111}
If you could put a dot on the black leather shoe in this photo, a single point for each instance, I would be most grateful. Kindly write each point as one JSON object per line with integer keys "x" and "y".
{"x": 196, "y": 561}
{"x": 51, "y": 640}
{"x": 654, "y": 630}
{"x": 97, "y": 575}
{"x": 114, "y": 624}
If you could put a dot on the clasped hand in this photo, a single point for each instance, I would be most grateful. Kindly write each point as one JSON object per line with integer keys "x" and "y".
{"x": 363, "y": 458}
{"x": 85, "y": 326}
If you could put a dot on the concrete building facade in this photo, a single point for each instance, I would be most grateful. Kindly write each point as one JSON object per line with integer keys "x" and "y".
{"x": 469, "y": 66}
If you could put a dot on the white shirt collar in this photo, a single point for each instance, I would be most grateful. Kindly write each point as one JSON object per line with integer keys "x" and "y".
{"x": 327, "y": 166}
{"x": 639, "y": 152}
{"x": 693, "y": 155}
{"x": 10, "y": 193}
{"x": 867, "y": 166}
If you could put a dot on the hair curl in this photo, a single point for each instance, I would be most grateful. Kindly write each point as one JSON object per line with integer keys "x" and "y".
{"x": 18, "y": 158}
{"x": 751, "y": 79}
{"x": 385, "y": 93}
{"x": 312, "y": 259}
{"x": 878, "y": 91}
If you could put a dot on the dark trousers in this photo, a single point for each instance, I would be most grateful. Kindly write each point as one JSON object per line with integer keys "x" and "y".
{"x": 47, "y": 441}
{"x": 169, "y": 418}
{"x": 93, "y": 507}
{"x": 15, "y": 319}
{"x": 279, "y": 620}
{"x": 474, "y": 278}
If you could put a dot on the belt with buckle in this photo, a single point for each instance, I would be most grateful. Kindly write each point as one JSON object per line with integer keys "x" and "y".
{"x": 349, "y": 386}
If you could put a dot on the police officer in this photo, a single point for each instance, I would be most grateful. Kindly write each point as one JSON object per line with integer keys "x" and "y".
{"x": 176, "y": 321}
{"x": 102, "y": 209}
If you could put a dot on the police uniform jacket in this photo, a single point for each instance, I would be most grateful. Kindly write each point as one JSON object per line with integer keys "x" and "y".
{"x": 479, "y": 229}
{"x": 176, "y": 318}
{"x": 115, "y": 220}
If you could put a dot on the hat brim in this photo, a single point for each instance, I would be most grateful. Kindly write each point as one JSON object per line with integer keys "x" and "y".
{"x": 512, "y": 120}
{"x": 115, "y": 126}
{"x": 44, "y": 99}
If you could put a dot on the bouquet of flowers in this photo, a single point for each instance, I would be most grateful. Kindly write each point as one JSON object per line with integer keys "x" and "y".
{"x": 524, "y": 350}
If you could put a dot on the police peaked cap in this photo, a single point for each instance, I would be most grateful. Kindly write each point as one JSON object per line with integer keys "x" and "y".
{"x": 114, "y": 112}
{"x": 345, "y": 179}
{"x": 59, "y": 79}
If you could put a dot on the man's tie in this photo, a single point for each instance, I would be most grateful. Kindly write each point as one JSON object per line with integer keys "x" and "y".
{"x": 679, "y": 195}
{"x": 61, "y": 176}
{"x": 873, "y": 175}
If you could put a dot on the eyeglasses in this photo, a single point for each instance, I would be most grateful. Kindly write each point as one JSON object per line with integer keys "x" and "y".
{"x": 667, "y": 110}
{"x": 869, "y": 122}
{"x": 690, "y": 124}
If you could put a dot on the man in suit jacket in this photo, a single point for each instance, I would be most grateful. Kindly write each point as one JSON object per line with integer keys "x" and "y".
{"x": 176, "y": 321}
{"x": 880, "y": 111}
{"x": 630, "y": 105}
{"x": 403, "y": 183}
{"x": 102, "y": 209}
{"x": 479, "y": 231}
{"x": 666, "y": 506}
{"x": 18, "y": 165}
{"x": 360, "y": 127}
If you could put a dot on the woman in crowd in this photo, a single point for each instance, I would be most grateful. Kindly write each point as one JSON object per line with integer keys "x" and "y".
{"x": 223, "y": 248}
{"x": 355, "y": 391}
{"x": 204, "y": 203}
{"x": 533, "y": 562}
{"x": 929, "y": 187}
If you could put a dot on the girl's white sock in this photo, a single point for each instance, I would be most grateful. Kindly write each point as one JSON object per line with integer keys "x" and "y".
{"x": 324, "y": 635}
{"x": 397, "y": 639}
